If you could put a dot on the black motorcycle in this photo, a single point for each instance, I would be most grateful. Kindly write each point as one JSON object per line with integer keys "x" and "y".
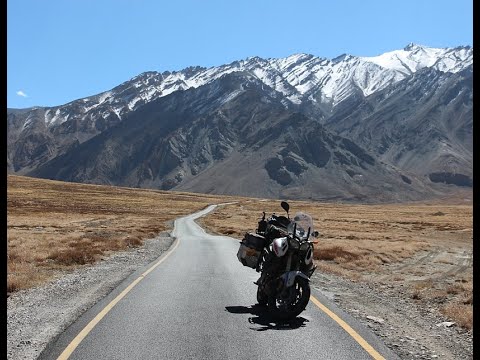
{"x": 281, "y": 250}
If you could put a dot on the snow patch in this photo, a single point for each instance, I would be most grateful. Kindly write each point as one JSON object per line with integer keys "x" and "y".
{"x": 57, "y": 118}
{"x": 28, "y": 122}
{"x": 104, "y": 96}
{"x": 229, "y": 97}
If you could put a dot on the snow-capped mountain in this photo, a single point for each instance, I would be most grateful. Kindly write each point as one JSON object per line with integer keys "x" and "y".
{"x": 349, "y": 95}
{"x": 300, "y": 77}
{"x": 415, "y": 57}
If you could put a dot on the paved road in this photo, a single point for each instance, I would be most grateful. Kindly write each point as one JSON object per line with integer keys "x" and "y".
{"x": 198, "y": 302}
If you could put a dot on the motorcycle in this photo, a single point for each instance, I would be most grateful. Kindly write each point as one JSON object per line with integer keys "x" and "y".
{"x": 282, "y": 252}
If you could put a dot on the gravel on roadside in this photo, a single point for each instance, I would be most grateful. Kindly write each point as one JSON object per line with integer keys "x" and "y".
{"x": 411, "y": 330}
{"x": 37, "y": 316}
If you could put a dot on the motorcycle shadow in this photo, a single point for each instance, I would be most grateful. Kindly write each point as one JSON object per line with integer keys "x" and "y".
{"x": 266, "y": 319}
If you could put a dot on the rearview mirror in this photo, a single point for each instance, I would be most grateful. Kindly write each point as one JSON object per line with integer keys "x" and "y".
{"x": 285, "y": 206}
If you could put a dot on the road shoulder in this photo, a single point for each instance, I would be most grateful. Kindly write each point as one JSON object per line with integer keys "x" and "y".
{"x": 411, "y": 331}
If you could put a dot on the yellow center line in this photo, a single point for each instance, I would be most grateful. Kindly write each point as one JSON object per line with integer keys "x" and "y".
{"x": 368, "y": 348}
{"x": 78, "y": 339}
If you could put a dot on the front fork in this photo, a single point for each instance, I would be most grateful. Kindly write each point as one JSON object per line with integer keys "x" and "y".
{"x": 287, "y": 279}
{"x": 283, "y": 282}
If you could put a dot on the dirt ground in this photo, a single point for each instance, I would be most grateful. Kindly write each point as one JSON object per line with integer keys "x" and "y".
{"x": 413, "y": 329}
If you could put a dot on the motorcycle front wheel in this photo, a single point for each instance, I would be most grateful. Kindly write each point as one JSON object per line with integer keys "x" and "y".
{"x": 292, "y": 301}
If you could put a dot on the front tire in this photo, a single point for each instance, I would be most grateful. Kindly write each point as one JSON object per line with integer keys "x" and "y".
{"x": 293, "y": 301}
{"x": 262, "y": 298}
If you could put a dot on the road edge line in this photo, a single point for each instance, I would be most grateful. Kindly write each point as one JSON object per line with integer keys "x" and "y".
{"x": 67, "y": 352}
{"x": 360, "y": 340}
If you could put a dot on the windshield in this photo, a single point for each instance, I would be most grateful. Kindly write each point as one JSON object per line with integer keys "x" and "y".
{"x": 303, "y": 221}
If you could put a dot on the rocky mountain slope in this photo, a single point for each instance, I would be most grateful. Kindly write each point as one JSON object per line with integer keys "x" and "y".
{"x": 392, "y": 127}
{"x": 422, "y": 124}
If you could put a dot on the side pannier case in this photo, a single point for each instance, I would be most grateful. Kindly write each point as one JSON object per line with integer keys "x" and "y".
{"x": 250, "y": 249}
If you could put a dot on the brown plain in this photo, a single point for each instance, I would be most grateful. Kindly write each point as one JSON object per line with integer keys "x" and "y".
{"x": 53, "y": 227}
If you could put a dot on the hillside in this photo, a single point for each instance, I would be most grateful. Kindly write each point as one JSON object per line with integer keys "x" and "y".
{"x": 396, "y": 127}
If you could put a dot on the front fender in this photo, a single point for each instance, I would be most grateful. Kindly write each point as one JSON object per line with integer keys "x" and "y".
{"x": 289, "y": 277}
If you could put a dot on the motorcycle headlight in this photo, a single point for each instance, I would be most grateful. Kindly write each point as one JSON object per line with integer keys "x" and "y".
{"x": 294, "y": 244}
{"x": 304, "y": 246}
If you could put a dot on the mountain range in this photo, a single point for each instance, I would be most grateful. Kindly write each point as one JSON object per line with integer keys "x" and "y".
{"x": 393, "y": 127}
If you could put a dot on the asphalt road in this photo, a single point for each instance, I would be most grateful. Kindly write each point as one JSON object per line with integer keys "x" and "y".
{"x": 198, "y": 302}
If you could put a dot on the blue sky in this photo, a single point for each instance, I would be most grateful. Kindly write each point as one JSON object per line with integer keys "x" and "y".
{"x": 62, "y": 50}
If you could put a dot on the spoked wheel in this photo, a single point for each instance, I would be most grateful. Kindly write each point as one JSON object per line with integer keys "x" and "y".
{"x": 292, "y": 301}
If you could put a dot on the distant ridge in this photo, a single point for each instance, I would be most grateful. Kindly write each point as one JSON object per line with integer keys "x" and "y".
{"x": 392, "y": 127}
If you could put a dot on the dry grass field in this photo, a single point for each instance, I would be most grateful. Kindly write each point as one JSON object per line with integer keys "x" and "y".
{"x": 54, "y": 226}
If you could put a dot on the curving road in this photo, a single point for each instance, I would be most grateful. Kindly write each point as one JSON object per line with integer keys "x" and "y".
{"x": 198, "y": 302}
